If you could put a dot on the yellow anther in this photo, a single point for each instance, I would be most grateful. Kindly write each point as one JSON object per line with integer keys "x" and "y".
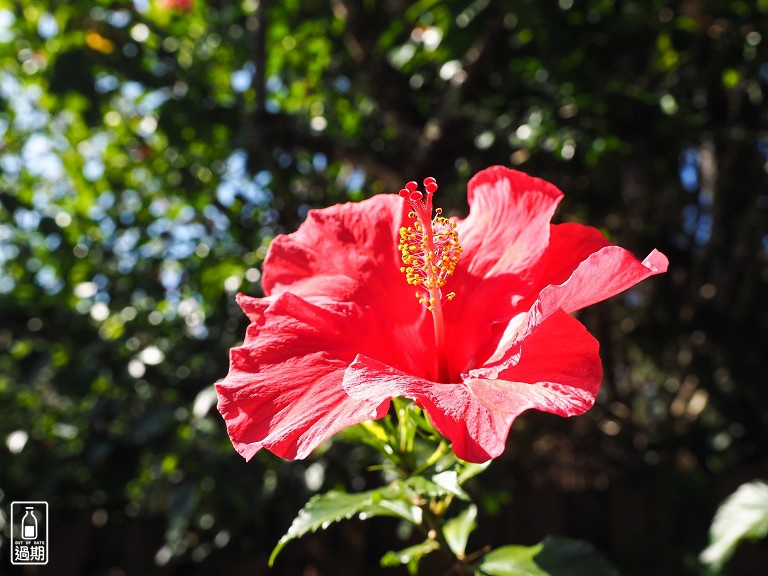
{"x": 429, "y": 249}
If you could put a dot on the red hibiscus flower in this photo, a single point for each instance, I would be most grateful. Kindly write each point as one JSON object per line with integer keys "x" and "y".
{"x": 340, "y": 333}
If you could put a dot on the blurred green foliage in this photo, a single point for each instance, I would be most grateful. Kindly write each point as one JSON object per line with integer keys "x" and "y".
{"x": 148, "y": 155}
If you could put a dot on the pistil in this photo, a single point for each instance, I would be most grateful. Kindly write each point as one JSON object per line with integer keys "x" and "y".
{"x": 430, "y": 251}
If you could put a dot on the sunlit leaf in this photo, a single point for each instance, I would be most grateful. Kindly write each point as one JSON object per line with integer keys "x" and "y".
{"x": 551, "y": 557}
{"x": 410, "y": 556}
{"x": 458, "y": 529}
{"x": 743, "y": 515}
{"x": 323, "y": 510}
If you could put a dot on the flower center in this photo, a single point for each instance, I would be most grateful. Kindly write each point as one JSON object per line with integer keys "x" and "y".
{"x": 430, "y": 250}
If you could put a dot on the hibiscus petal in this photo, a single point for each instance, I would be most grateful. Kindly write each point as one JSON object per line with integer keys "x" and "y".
{"x": 507, "y": 229}
{"x": 477, "y": 433}
{"x": 503, "y": 239}
{"x": 558, "y": 370}
{"x": 569, "y": 245}
{"x": 253, "y": 307}
{"x": 603, "y": 274}
{"x": 346, "y": 252}
{"x": 283, "y": 391}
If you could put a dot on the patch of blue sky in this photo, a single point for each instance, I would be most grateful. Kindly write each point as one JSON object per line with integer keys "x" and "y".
{"x": 107, "y": 227}
{"x": 106, "y": 83}
{"x": 101, "y": 281}
{"x": 689, "y": 177}
{"x": 7, "y": 284}
{"x": 342, "y": 83}
{"x": 356, "y": 180}
{"x": 159, "y": 207}
{"x": 226, "y": 192}
{"x": 96, "y": 145}
{"x": 154, "y": 248}
{"x": 193, "y": 231}
{"x": 7, "y": 19}
{"x": 151, "y": 101}
{"x": 703, "y": 229}
{"x": 159, "y": 227}
{"x": 263, "y": 178}
{"x": 49, "y": 280}
{"x": 23, "y": 100}
{"x": 47, "y": 26}
{"x": 180, "y": 250}
{"x": 106, "y": 200}
{"x": 126, "y": 241}
{"x": 119, "y": 18}
{"x": 52, "y": 242}
{"x": 96, "y": 212}
{"x": 27, "y": 220}
{"x": 42, "y": 199}
{"x": 127, "y": 218}
{"x": 141, "y": 6}
{"x": 130, "y": 203}
{"x": 93, "y": 170}
{"x": 236, "y": 182}
{"x": 689, "y": 169}
{"x": 126, "y": 263}
{"x": 11, "y": 165}
{"x": 131, "y": 90}
{"x": 8, "y": 252}
{"x": 241, "y": 79}
{"x": 274, "y": 84}
{"x": 319, "y": 162}
{"x": 186, "y": 214}
{"x": 171, "y": 275}
{"x": 217, "y": 219}
{"x": 39, "y": 158}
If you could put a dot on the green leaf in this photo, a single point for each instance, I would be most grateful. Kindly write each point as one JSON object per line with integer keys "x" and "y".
{"x": 470, "y": 470}
{"x": 418, "y": 486}
{"x": 552, "y": 557}
{"x": 458, "y": 529}
{"x": 450, "y": 481}
{"x": 744, "y": 514}
{"x": 511, "y": 561}
{"x": 323, "y": 510}
{"x": 410, "y": 556}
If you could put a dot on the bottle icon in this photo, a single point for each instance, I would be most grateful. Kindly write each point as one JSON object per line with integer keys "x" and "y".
{"x": 29, "y": 525}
